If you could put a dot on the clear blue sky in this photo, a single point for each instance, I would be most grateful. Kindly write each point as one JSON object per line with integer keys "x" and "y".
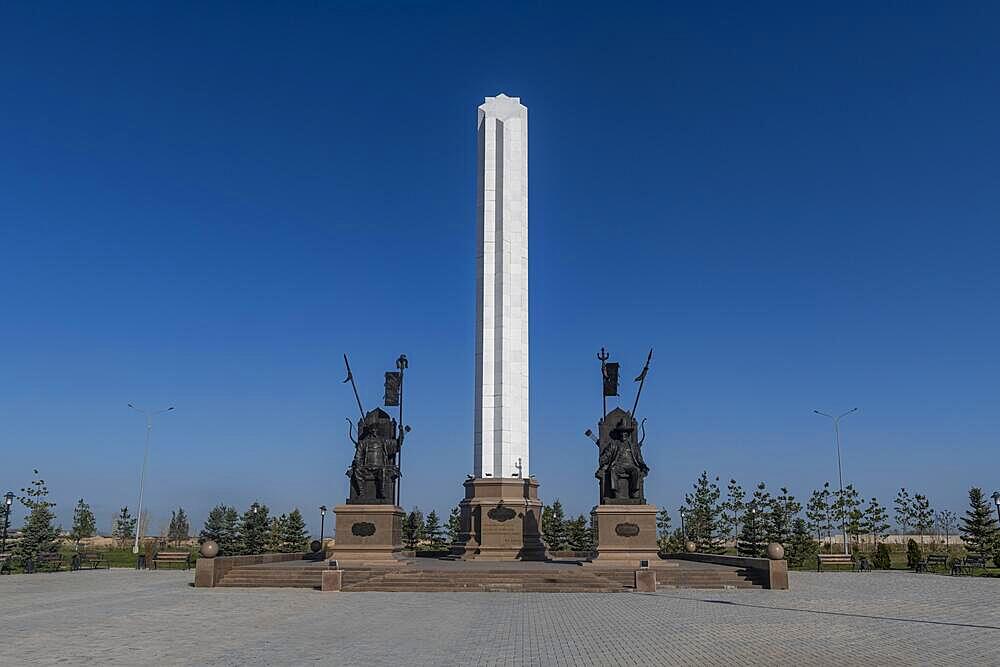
{"x": 206, "y": 206}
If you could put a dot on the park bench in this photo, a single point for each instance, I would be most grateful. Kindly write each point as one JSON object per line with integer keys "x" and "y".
{"x": 968, "y": 565}
{"x": 91, "y": 559}
{"x": 51, "y": 561}
{"x": 833, "y": 559}
{"x": 932, "y": 561}
{"x": 172, "y": 557}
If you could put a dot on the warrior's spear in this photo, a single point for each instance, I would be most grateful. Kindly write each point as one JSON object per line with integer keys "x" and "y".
{"x": 350, "y": 378}
{"x": 641, "y": 380}
{"x": 401, "y": 364}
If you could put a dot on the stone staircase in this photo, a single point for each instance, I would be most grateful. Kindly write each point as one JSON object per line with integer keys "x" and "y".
{"x": 401, "y": 577}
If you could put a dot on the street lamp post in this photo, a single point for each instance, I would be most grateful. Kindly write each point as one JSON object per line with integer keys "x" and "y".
{"x": 8, "y": 501}
{"x": 996, "y": 501}
{"x": 840, "y": 470}
{"x": 683, "y": 527}
{"x": 145, "y": 460}
{"x": 322, "y": 520}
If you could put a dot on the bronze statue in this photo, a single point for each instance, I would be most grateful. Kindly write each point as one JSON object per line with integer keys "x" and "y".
{"x": 621, "y": 469}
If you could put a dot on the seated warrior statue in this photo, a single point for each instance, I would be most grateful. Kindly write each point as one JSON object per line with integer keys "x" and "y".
{"x": 621, "y": 468}
{"x": 374, "y": 470}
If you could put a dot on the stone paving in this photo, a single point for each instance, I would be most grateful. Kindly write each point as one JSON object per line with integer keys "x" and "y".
{"x": 131, "y": 618}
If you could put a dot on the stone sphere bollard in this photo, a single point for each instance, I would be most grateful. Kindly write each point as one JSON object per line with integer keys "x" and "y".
{"x": 209, "y": 549}
{"x": 775, "y": 551}
{"x": 315, "y": 546}
{"x": 690, "y": 547}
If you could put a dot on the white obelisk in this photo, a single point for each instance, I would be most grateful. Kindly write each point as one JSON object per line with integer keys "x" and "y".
{"x": 502, "y": 291}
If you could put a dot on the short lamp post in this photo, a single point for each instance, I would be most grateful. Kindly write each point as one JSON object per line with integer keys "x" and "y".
{"x": 684, "y": 532}
{"x": 322, "y": 523}
{"x": 8, "y": 501}
{"x": 996, "y": 501}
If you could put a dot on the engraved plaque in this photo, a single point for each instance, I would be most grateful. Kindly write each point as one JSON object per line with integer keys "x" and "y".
{"x": 363, "y": 529}
{"x": 627, "y": 529}
{"x": 501, "y": 514}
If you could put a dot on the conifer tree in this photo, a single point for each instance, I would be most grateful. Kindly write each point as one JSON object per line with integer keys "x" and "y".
{"x": 875, "y": 521}
{"x": 554, "y": 526}
{"x": 413, "y": 528}
{"x": 275, "y": 533}
{"x": 903, "y": 509}
{"x": 753, "y": 535}
{"x": 847, "y": 509}
{"x": 801, "y": 547}
{"x": 180, "y": 528}
{"x": 662, "y": 530}
{"x": 577, "y": 537}
{"x": 819, "y": 513}
{"x": 84, "y": 523}
{"x": 784, "y": 509}
{"x": 432, "y": 529}
{"x": 294, "y": 536}
{"x": 454, "y": 525}
{"x": 923, "y": 515}
{"x": 221, "y": 526}
{"x": 254, "y": 528}
{"x": 733, "y": 508}
{"x": 703, "y": 515}
{"x": 979, "y": 528}
{"x": 124, "y": 527}
{"x": 38, "y": 535}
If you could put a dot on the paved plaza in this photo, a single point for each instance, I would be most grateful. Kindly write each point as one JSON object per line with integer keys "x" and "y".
{"x": 132, "y": 618}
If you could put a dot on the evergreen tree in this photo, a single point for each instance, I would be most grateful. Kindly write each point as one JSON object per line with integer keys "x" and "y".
{"x": 923, "y": 515}
{"x": 703, "y": 515}
{"x": 180, "y": 528}
{"x": 413, "y": 529}
{"x": 454, "y": 525}
{"x": 979, "y": 528}
{"x": 913, "y": 554}
{"x": 254, "y": 529}
{"x": 903, "y": 508}
{"x": 947, "y": 522}
{"x": 554, "y": 526}
{"x": 275, "y": 533}
{"x": 881, "y": 559}
{"x": 432, "y": 529}
{"x": 784, "y": 510}
{"x": 578, "y": 534}
{"x": 801, "y": 547}
{"x": 294, "y": 536}
{"x": 675, "y": 543}
{"x": 819, "y": 513}
{"x": 732, "y": 509}
{"x": 662, "y": 530}
{"x": 84, "y": 524}
{"x": 753, "y": 535}
{"x": 221, "y": 526}
{"x": 875, "y": 521}
{"x": 124, "y": 528}
{"x": 38, "y": 535}
{"x": 847, "y": 509}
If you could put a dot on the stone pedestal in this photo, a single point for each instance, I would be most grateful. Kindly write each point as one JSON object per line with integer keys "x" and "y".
{"x": 368, "y": 532}
{"x": 625, "y": 533}
{"x": 500, "y": 520}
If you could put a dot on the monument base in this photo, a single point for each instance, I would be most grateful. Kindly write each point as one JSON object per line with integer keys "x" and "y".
{"x": 500, "y": 520}
{"x": 368, "y": 532}
{"x": 625, "y": 533}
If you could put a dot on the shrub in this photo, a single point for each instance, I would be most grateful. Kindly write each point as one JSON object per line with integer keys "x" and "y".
{"x": 913, "y": 554}
{"x": 881, "y": 559}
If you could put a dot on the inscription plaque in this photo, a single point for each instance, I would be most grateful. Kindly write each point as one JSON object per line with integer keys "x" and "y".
{"x": 363, "y": 529}
{"x": 627, "y": 529}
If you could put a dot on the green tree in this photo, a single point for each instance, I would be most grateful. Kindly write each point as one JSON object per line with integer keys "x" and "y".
{"x": 222, "y": 527}
{"x": 554, "y": 526}
{"x": 703, "y": 515}
{"x": 294, "y": 536}
{"x": 784, "y": 510}
{"x": 432, "y": 530}
{"x": 84, "y": 524}
{"x": 254, "y": 530}
{"x": 947, "y": 521}
{"x": 903, "y": 509}
{"x": 875, "y": 521}
{"x": 577, "y": 534}
{"x": 753, "y": 535}
{"x": 733, "y": 508}
{"x": 124, "y": 528}
{"x": 801, "y": 547}
{"x": 819, "y": 513}
{"x": 454, "y": 525}
{"x": 979, "y": 528}
{"x": 913, "y": 553}
{"x": 881, "y": 559}
{"x": 413, "y": 528}
{"x": 38, "y": 535}
{"x": 275, "y": 533}
{"x": 180, "y": 528}
{"x": 923, "y": 515}
{"x": 847, "y": 509}
{"x": 662, "y": 530}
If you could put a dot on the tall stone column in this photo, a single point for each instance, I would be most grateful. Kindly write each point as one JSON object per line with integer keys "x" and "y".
{"x": 501, "y": 513}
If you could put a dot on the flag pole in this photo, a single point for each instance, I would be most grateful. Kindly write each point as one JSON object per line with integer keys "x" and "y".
{"x": 401, "y": 364}
{"x": 603, "y": 356}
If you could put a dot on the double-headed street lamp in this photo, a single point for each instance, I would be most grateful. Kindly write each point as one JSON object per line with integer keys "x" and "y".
{"x": 840, "y": 470}
{"x": 8, "y": 501}
{"x": 145, "y": 460}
